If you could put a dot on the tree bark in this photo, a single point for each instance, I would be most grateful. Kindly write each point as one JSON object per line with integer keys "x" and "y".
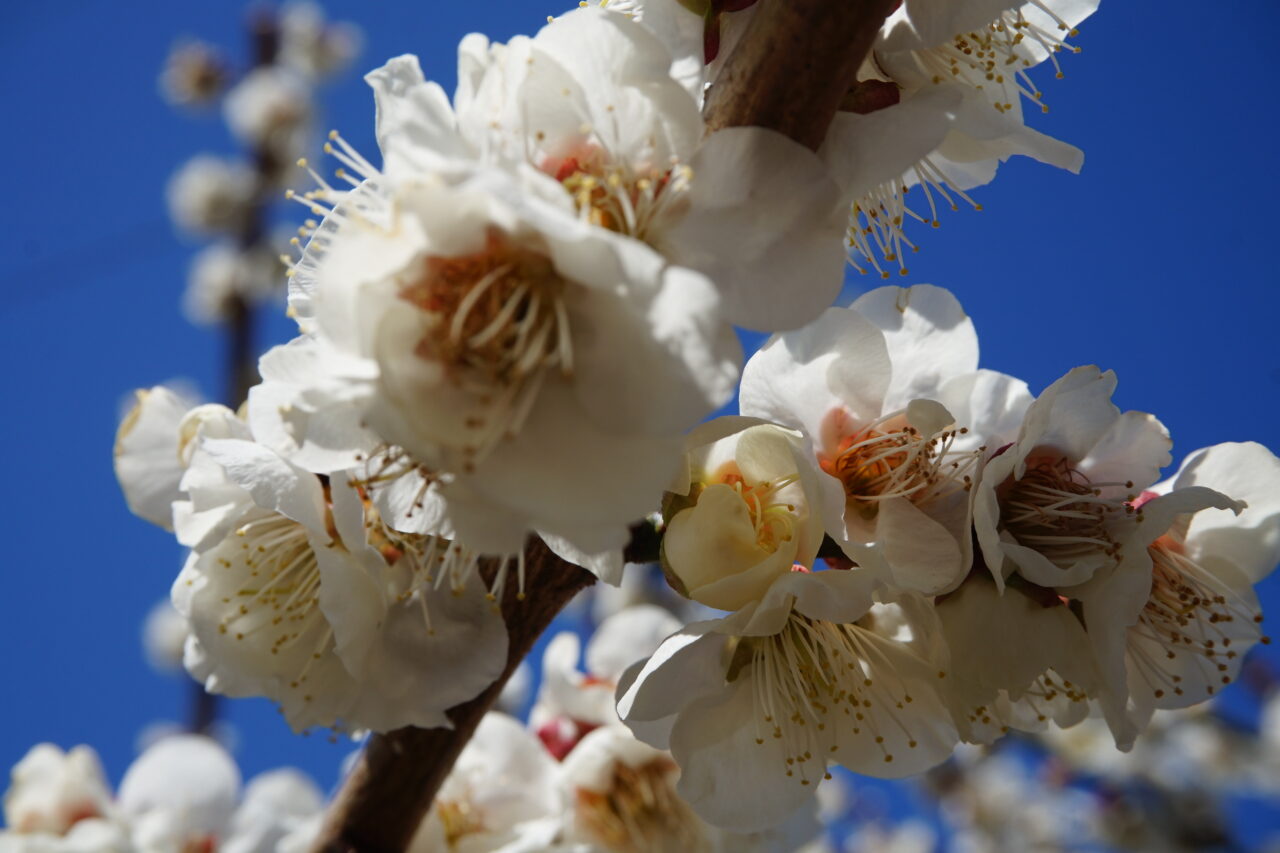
{"x": 793, "y": 66}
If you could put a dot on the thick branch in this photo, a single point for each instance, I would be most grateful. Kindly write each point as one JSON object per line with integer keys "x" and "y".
{"x": 383, "y": 800}
{"x": 794, "y": 65}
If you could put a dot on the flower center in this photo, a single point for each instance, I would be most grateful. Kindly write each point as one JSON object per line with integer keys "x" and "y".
{"x": 276, "y": 602}
{"x": 1199, "y": 625}
{"x": 815, "y": 674}
{"x": 640, "y": 812}
{"x": 500, "y": 313}
{"x": 774, "y": 522}
{"x": 892, "y": 459}
{"x": 1057, "y": 511}
{"x": 614, "y": 194}
{"x": 994, "y": 60}
{"x": 460, "y": 818}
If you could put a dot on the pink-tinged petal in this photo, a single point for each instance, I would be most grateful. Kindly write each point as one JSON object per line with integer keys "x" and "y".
{"x": 840, "y": 361}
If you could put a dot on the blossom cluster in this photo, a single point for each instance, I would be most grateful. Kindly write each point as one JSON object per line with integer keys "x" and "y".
{"x": 516, "y": 326}
{"x": 182, "y": 794}
{"x": 269, "y": 109}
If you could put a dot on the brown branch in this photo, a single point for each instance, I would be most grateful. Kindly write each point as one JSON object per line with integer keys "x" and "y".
{"x": 240, "y": 372}
{"x": 383, "y": 800}
{"x": 790, "y": 71}
{"x": 793, "y": 66}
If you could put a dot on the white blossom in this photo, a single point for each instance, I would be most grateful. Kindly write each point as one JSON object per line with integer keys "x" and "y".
{"x": 750, "y": 508}
{"x": 222, "y": 272}
{"x": 296, "y": 591}
{"x": 182, "y": 791}
{"x": 590, "y": 103}
{"x": 938, "y": 107}
{"x": 889, "y": 398}
{"x": 211, "y": 195}
{"x": 312, "y": 45}
{"x": 164, "y": 634}
{"x": 575, "y": 699}
{"x": 51, "y": 790}
{"x": 501, "y": 796}
{"x": 497, "y": 332}
{"x": 1200, "y": 615}
{"x": 754, "y": 706}
{"x": 268, "y": 108}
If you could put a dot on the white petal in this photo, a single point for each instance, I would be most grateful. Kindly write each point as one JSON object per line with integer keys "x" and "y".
{"x": 1247, "y": 472}
{"x": 930, "y": 338}
{"x": 840, "y": 361}
{"x": 147, "y": 461}
{"x": 729, "y": 778}
{"x": 765, "y": 225}
{"x": 415, "y": 124}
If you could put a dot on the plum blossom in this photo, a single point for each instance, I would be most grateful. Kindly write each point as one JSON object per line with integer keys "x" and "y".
{"x": 182, "y": 791}
{"x": 1200, "y": 614}
{"x": 623, "y": 798}
{"x": 295, "y": 590}
{"x": 268, "y": 109}
{"x": 496, "y": 332}
{"x": 195, "y": 74}
{"x": 50, "y": 791}
{"x": 148, "y": 453}
{"x": 940, "y": 99}
{"x": 312, "y": 45}
{"x": 1061, "y": 525}
{"x": 590, "y": 103}
{"x": 221, "y": 273}
{"x": 572, "y": 702}
{"x": 754, "y": 706}
{"x": 211, "y": 195}
{"x": 889, "y": 398}
{"x": 749, "y": 510}
{"x": 501, "y": 795}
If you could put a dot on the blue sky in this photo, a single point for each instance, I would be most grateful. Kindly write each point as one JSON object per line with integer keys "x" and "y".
{"x": 1157, "y": 261}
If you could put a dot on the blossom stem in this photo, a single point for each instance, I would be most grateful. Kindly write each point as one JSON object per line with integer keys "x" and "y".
{"x": 391, "y": 787}
{"x": 794, "y": 66}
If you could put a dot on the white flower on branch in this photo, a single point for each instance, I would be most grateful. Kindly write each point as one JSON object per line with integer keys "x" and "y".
{"x": 1200, "y": 614}
{"x": 51, "y": 791}
{"x": 938, "y": 108}
{"x": 312, "y": 45}
{"x": 1123, "y": 613}
{"x": 211, "y": 195}
{"x": 889, "y": 398}
{"x": 222, "y": 273}
{"x": 268, "y": 109}
{"x": 148, "y": 454}
{"x": 502, "y": 795}
{"x": 572, "y": 702}
{"x": 295, "y": 590}
{"x": 475, "y": 320}
{"x": 195, "y": 74}
{"x": 755, "y": 705}
{"x": 750, "y": 508}
{"x": 182, "y": 791}
{"x": 590, "y": 103}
